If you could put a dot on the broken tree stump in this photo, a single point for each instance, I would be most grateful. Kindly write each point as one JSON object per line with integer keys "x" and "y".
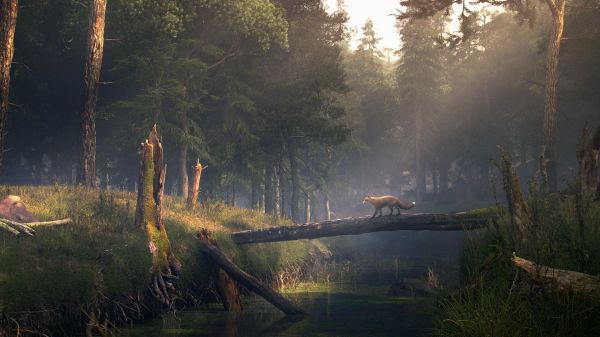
{"x": 354, "y": 226}
{"x": 560, "y": 279}
{"x": 193, "y": 196}
{"x": 226, "y": 287}
{"x": 165, "y": 266}
{"x": 520, "y": 215}
{"x": 249, "y": 281}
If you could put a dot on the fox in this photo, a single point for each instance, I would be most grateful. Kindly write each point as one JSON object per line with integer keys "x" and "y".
{"x": 389, "y": 201}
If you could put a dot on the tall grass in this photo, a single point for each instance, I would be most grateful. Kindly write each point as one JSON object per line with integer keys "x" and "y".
{"x": 499, "y": 300}
{"x": 102, "y": 260}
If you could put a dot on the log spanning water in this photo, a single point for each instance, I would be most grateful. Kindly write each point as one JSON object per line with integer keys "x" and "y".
{"x": 353, "y": 226}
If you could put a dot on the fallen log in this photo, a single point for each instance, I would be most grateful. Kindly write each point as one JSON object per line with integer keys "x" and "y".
{"x": 226, "y": 288}
{"x": 353, "y": 226}
{"x": 563, "y": 280}
{"x": 248, "y": 280}
{"x": 18, "y": 228}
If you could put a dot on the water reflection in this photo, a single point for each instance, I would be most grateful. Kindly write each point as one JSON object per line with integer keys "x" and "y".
{"x": 333, "y": 312}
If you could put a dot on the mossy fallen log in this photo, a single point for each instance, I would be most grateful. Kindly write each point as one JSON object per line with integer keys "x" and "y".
{"x": 353, "y": 226}
{"x": 559, "y": 279}
{"x": 248, "y": 280}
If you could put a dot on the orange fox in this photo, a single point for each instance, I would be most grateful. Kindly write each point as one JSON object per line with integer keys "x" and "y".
{"x": 389, "y": 201}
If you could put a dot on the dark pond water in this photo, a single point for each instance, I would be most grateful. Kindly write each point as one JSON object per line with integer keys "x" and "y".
{"x": 347, "y": 310}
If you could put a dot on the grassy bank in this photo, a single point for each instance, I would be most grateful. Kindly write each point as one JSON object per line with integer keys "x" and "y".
{"x": 51, "y": 283}
{"x": 502, "y": 301}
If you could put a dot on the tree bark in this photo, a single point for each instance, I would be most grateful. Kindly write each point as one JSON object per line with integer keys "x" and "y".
{"x": 421, "y": 187}
{"x": 557, "y": 7}
{"x": 327, "y": 207}
{"x": 254, "y": 203}
{"x": 283, "y": 190}
{"x": 588, "y": 150}
{"x": 519, "y": 211}
{"x": 249, "y": 281}
{"x": 193, "y": 197}
{"x": 354, "y": 226}
{"x": 269, "y": 198}
{"x": 559, "y": 279}
{"x": 93, "y": 66}
{"x": 165, "y": 266}
{"x": 8, "y": 22}
{"x": 276, "y": 192}
{"x": 294, "y": 207}
{"x": 226, "y": 287}
{"x": 306, "y": 207}
{"x": 183, "y": 172}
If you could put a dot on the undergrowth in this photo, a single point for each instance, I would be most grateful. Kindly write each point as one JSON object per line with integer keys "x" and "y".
{"x": 498, "y": 300}
{"x": 50, "y": 282}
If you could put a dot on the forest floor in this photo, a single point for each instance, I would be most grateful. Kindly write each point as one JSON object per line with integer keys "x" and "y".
{"x": 97, "y": 269}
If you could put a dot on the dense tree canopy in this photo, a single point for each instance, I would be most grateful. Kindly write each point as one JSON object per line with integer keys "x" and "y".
{"x": 270, "y": 95}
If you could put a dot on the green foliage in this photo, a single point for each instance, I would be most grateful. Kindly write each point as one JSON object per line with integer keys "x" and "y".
{"x": 501, "y": 300}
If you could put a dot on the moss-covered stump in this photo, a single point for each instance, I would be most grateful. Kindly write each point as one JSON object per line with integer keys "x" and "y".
{"x": 166, "y": 268}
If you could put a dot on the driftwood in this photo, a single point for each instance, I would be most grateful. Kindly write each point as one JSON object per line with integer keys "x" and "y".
{"x": 353, "y": 226}
{"x": 18, "y": 228}
{"x": 248, "y": 280}
{"x": 560, "y": 279}
{"x": 226, "y": 287}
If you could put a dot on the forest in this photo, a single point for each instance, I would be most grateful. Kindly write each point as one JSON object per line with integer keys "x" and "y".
{"x": 278, "y": 112}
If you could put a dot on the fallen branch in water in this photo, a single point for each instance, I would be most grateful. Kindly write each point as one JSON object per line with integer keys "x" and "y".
{"x": 564, "y": 280}
{"x": 18, "y": 228}
{"x": 248, "y": 280}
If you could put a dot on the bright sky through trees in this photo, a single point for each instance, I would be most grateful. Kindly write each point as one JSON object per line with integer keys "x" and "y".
{"x": 377, "y": 10}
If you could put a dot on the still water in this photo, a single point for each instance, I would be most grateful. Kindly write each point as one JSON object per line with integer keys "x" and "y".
{"x": 334, "y": 310}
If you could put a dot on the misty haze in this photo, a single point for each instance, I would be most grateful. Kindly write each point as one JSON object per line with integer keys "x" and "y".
{"x": 299, "y": 168}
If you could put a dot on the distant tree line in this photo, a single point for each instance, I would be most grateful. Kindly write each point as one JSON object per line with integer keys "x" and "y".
{"x": 288, "y": 118}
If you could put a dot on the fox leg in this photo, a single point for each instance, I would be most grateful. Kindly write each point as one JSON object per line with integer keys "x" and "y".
{"x": 376, "y": 210}
{"x": 391, "y": 210}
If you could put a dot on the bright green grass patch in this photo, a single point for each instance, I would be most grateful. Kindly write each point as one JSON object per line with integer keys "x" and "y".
{"x": 103, "y": 253}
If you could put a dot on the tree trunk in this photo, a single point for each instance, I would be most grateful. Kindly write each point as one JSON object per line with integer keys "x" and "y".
{"x": 93, "y": 65}
{"x": 436, "y": 182}
{"x": 327, "y": 207}
{"x": 519, "y": 211}
{"x": 421, "y": 187}
{"x": 354, "y": 226}
{"x": 294, "y": 211}
{"x": 269, "y": 207}
{"x": 306, "y": 207}
{"x": 183, "y": 172}
{"x": 193, "y": 197}
{"x": 443, "y": 177}
{"x": 557, "y": 7}
{"x": 282, "y": 189}
{"x": 8, "y": 22}
{"x": 254, "y": 203}
{"x": 276, "y": 192}
{"x": 165, "y": 266}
